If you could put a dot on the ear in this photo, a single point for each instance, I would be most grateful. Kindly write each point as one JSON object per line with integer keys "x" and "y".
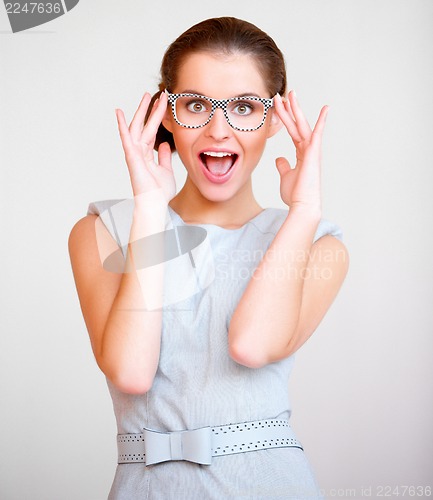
{"x": 167, "y": 121}
{"x": 275, "y": 123}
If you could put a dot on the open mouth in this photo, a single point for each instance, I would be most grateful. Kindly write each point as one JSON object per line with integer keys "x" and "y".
{"x": 218, "y": 163}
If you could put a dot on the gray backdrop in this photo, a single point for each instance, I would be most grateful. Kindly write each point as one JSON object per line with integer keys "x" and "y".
{"x": 362, "y": 386}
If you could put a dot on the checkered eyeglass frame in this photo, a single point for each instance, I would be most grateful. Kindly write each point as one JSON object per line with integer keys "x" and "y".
{"x": 222, "y": 104}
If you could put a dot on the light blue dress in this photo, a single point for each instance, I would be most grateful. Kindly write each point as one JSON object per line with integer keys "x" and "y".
{"x": 197, "y": 383}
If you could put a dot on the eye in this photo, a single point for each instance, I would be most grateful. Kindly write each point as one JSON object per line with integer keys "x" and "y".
{"x": 243, "y": 108}
{"x": 196, "y": 106}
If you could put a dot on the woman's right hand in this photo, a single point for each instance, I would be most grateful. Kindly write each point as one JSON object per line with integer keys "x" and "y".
{"x": 138, "y": 141}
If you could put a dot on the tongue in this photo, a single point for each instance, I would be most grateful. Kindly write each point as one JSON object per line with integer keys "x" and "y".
{"x": 219, "y": 166}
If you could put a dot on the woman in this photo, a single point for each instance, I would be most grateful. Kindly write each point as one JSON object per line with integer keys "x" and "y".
{"x": 196, "y": 301}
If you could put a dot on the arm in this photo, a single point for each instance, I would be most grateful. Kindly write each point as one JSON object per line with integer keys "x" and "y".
{"x": 122, "y": 311}
{"x": 296, "y": 281}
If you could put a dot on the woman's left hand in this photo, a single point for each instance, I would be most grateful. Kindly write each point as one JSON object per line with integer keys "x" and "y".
{"x": 300, "y": 186}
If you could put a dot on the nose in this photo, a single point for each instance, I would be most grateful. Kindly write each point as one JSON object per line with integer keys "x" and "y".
{"x": 218, "y": 128}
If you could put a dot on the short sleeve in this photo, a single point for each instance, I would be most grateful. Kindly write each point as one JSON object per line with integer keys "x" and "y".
{"x": 117, "y": 218}
{"x": 326, "y": 227}
{"x": 275, "y": 218}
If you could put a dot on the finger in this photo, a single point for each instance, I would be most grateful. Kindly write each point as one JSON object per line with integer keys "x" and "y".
{"x": 287, "y": 119}
{"x": 123, "y": 130}
{"x": 301, "y": 122}
{"x": 283, "y": 166}
{"x": 155, "y": 119}
{"x": 288, "y": 108}
{"x": 320, "y": 125}
{"x": 164, "y": 156}
{"x": 136, "y": 126}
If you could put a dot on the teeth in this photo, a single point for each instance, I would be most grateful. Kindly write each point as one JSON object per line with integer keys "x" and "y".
{"x": 218, "y": 154}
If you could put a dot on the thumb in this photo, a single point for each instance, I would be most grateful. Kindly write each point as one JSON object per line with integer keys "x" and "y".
{"x": 283, "y": 166}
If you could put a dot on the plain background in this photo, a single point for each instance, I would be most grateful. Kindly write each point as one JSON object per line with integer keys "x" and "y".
{"x": 362, "y": 386}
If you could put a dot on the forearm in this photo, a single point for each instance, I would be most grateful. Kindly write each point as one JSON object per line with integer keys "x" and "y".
{"x": 130, "y": 346}
{"x": 267, "y": 315}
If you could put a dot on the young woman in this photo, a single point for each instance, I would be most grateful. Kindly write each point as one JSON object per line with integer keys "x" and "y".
{"x": 196, "y": 301}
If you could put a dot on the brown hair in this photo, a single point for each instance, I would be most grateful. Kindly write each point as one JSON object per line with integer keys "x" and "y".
{"x": 225, "y": 35}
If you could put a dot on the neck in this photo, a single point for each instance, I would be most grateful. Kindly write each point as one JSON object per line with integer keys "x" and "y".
{"x": 230, "y": 213}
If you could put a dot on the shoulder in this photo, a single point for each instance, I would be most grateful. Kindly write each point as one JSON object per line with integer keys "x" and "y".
{"x": 114, "y": 217}
{"x": 82, "y": 231}
{"x": 95, "y": 209}
{"x": 329, "y": 251}
{"x": 98, "y": 228}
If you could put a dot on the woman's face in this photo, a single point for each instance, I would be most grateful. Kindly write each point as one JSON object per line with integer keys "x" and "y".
{"x": 218, "y": 177}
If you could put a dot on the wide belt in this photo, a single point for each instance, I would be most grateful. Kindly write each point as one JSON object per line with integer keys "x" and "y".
{"x": 200, "y": 445}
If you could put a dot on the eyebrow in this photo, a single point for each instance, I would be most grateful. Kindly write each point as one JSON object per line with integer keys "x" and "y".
{"x": 244, "y": 94}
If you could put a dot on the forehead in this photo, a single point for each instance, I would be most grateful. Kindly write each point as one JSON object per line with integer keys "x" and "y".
{"x": 220, "y": 76}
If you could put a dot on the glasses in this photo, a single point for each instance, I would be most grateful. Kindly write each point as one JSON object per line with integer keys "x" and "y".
{"x": 242, "y": 113}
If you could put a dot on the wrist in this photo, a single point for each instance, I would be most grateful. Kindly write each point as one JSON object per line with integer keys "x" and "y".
{"x": 150, "y": 214}
{"x": 153, "y": 199}
{"x": 306, "y": 211}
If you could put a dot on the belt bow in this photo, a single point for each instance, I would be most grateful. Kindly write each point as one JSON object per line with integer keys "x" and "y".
{"x": 194, "y": 446}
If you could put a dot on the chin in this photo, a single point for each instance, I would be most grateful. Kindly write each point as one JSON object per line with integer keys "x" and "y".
{"x": 218, "y": 194}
